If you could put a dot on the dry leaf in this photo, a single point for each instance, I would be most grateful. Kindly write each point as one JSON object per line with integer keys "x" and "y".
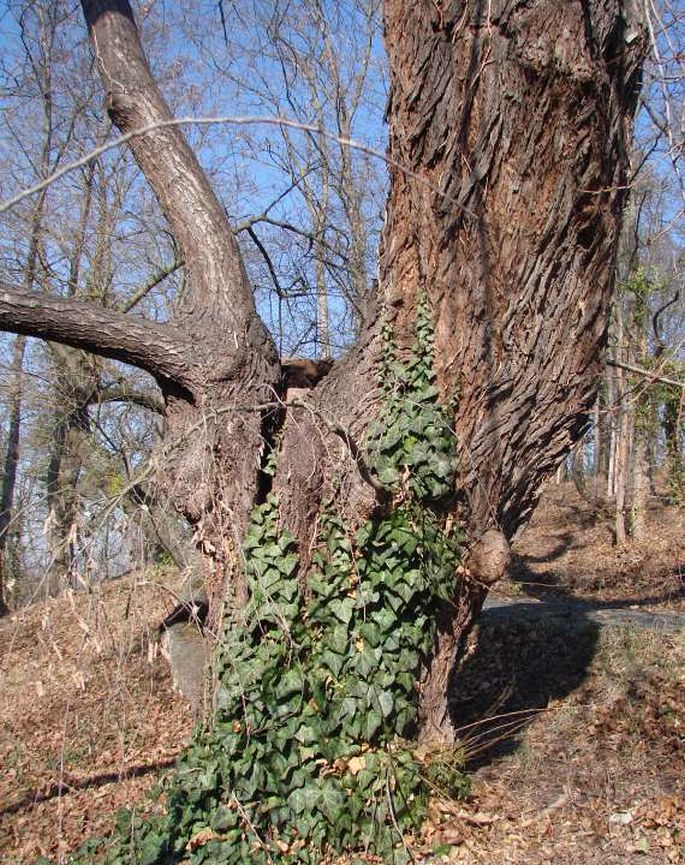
{"x": 356, "y": 764}
{"x": 202, "y": 837}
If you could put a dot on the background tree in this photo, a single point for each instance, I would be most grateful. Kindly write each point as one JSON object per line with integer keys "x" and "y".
{"x": 315, "y": 240}
{"x": 68, "y": 457}
{"x": 350, "y": 534}
{"x": 641, "y": 387}
{"x": 8, "y": 565}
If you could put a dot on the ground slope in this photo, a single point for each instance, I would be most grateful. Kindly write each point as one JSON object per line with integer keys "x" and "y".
{"x": 575, "y": 732}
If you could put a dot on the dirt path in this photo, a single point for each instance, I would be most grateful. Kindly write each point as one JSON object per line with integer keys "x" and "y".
{"x": 499, "y": 609}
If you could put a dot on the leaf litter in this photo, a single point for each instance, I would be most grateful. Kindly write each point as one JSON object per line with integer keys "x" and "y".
{"x": 574, "y": 734}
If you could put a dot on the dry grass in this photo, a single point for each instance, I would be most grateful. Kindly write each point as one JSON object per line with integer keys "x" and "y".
{"x": 88, "y": 717}
{"x": 591, "y": 770}
{"x": 597, "y": 774}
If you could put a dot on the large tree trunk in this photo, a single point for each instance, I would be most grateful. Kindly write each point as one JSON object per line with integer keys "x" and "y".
{"x": 509, "y": 130}
{"x": 509, "y": 127}
{"x": 509, "y": 220}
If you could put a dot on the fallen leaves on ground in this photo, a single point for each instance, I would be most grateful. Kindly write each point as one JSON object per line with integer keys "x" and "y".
{"x": 589, "y": 762}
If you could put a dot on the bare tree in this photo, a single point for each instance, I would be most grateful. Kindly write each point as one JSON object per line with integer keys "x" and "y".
{"x": 69, "y": 243}
{"x": 318, "y": 63}
{"x": 11, "y": 462}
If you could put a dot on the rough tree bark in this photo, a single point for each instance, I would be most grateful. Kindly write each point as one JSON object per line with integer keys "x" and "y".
{"x": 514, "y": 120}
{"x": 509, "y": 127}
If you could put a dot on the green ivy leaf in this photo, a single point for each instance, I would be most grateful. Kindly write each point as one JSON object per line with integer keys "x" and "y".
{"x": 388, "y": 476}
{"x": 308, "y": 735}
{"x": 151, "y": 849}
{"x": 372, "y": 723}
{"x": 370, "y": 633}
{"x": 335, "y": 662}
{"x": 303, "y": 799}
{"x": 342, "y": 609}
{"x": 332, "y": 801}
{"x": 386, "y": 703}
{"x": 288, "y": 564}
{"x": 291, "y": 682}
{"x": 348, "y": 708}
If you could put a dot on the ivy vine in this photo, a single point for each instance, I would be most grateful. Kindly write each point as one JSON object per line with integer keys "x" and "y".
{"x": 309, "y": 749}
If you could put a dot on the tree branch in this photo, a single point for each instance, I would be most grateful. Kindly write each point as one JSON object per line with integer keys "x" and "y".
{"x": 160, "y": 349}
{"x": 267, "y": 258}
{"x": 660, "y": 343}
{"x": 153, "y": 282}
{"x": 647, "y": 373}
{"x": 218, "y": 289}
{"x": 119, "y": 393}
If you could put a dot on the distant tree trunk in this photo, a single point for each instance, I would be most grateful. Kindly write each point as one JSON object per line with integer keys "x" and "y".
{"x": 673, "y": 425}
{"x": 78, "y": 378}
{"x": 75, "y": 381}
{"x": 672, "y": 415}
{"x": 637, "y": 484}
{"x": 578, "y": 467}
{"x": 639, "y": 397}
{"x": 621, "y": 467}
{"x": 621, "y": 428}
{"x": 599, "y": 448}
{"x": 612, "y": 433}
{"x": 10, "y": 465}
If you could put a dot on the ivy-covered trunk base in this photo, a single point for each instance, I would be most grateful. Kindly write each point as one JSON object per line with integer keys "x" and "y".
{"x": 310, "y": 749}
{"x": 317, "y": 697}
{"x": 320, "y": 675}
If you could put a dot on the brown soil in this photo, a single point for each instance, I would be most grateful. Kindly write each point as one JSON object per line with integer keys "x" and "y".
{"x": 574, "y": 733}
{"x": 88, "y": 715}
{"x": 568, "y": 550}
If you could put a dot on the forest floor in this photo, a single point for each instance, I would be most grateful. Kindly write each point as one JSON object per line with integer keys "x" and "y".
{"x": 574, "y": 731}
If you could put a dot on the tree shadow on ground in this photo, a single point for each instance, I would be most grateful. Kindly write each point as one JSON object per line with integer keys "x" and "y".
{"x": 529, "y": 651}
{"x": 69, "y": 785}
{"x": 512, "y": 672}
{"x": 545, "y": 586}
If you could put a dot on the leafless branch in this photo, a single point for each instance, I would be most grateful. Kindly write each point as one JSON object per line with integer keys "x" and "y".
{"x": 647, "y": 373}
{"x": 283, "y": 122}
{"x": 152, "y": 283}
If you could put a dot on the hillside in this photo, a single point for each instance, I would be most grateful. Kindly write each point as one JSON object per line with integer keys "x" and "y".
{"x": 580, "y": 757}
